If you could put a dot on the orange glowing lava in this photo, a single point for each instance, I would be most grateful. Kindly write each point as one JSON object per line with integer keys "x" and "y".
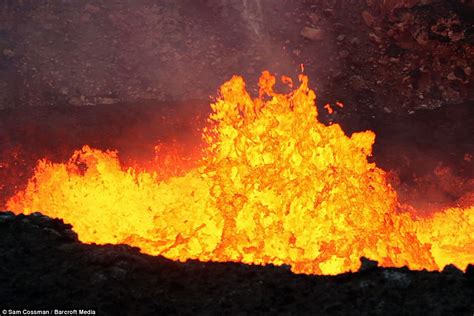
{"x": 273, "y": 185}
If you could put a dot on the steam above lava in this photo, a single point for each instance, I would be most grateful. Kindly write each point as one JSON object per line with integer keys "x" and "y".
{"x": 273, "y": 185}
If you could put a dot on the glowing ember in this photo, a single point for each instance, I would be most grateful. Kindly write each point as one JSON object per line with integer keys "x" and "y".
{"x": 273, "y": 186}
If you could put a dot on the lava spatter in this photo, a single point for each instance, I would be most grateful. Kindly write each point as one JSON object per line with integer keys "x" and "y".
{"x": 273, "y": 185}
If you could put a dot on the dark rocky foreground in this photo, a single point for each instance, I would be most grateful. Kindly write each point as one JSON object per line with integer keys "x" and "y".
{"x": 44, "y": 266}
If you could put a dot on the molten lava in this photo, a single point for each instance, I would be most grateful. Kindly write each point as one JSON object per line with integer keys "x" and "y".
{"x": 273, "y": 185}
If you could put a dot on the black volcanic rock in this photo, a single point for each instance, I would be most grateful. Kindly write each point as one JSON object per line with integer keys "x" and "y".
{"x": 367, "y": 264}
{"x": 44, "y": 267}
{"x": 470, "y": 273}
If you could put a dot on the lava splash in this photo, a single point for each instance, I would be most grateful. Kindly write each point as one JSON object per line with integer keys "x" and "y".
{"x": 273, "y": 185}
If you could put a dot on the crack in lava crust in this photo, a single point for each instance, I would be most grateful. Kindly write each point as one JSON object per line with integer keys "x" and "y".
{"x": 273, "y": 185}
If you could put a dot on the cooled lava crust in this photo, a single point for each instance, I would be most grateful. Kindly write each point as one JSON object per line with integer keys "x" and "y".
{"x": 44, "y": 266}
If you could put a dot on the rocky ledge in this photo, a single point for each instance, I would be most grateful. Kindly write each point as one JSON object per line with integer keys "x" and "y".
{"x": 44, "y": 266}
